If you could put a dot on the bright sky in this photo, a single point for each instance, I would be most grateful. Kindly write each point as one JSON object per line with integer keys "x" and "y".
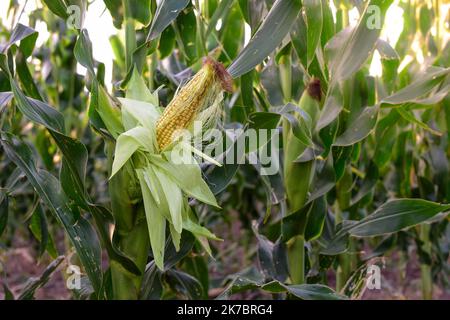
{"x": 98, "y": 22}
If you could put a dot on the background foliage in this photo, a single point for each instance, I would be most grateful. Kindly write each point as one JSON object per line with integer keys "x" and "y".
{"x": 377, "y": 149}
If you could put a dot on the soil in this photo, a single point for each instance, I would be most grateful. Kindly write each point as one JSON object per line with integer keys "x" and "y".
{"x": 20, "y": 263}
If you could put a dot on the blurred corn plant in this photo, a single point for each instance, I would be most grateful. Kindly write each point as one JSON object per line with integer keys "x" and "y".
{"x": 364, "y": 158}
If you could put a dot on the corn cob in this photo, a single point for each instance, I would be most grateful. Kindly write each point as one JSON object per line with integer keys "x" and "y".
{"x": 196, "y": 96}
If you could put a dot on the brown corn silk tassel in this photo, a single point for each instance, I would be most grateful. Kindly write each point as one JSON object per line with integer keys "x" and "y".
{"x": 195, "y": 97}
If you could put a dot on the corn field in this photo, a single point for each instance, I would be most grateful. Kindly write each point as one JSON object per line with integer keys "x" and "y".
{"x": 224, "y": 149}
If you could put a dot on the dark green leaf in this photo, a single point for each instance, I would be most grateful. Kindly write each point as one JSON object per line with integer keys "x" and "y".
{"x": 49, "y": 189}
{"x": 152, "y": 287}
{"x": 186, "y": 33}
{"x": 4, "y": 209}
{"x": 360, "y": 128}
{"x": 272, "y": 31}
{"x": 350, "y": 48}
{"x": 21, "y": 33}
{"x": 83, "y": 52}
{"x": 34, "y": 284}
{"x": 166, "y": 12}
{"x": 299, "y": 39}
{"x": 314, "y": 23}
{"x": 58, "y": 7}
{"x": 424, "y": 84}
{"x": 316, "y": 219}
{"x": 221, "y": 12}
{"x": 396, "y": 215}
{"x": 8, "y": 294}
{"x": 313, "y": 292}
{"x": 186, "y": 284}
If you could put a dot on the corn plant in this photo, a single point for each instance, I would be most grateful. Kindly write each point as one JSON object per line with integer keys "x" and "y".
{"x": 363, "y": 157}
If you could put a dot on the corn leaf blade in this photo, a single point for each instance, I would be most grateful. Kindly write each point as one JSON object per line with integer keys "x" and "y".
{"x": 272, "y": 31}
{"x": 396, "y": 215}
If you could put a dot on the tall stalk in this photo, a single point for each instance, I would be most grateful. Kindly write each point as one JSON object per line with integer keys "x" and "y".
{"x": 130, "y": 34}
{"x": 297, "y": 180}
{"x": 347, "y": 261}
{"x": 130, "y": 231}
{"x": 425, "y": 269}
{"x": 296, "y": 247}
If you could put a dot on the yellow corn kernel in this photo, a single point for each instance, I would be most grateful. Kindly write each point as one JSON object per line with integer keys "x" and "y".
{"x": 191, "y": 100}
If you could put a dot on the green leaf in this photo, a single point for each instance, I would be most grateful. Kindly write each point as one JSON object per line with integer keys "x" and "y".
{"x": 247, "y": 279}
{"x": 166, "y": 43}
{"x": 198, "y": 230}
{"x": 186, "y": 34}
{"x": 232, "y": 34}
{"x": 396, "y": 215}
{"x": 74, "y": 163}
{"x": 58, "y": 7}
{"x": 83, "y": 52}
{"x": 299, "y": 121}
{"x": 218, "y": 178}
{"x": 38, "y": 111}
{"x": 26, "y": 78}
{"x": 80, "y": 232}
{"x": 328, "y": 28}
{"x": 116, "y": 10}
{"x": 185, "y": 283}
{"x": 272, "y": 258}
{"x": 294, "y": 224}
{"x": 188, "y": 177}
{"x": 173, "y": 256}
{"x": 152, "y": 287}
{"x": 348, "y": 50}
{"x": 316, "y": 219}
{"x": 34, "y": 284}
{"x": 141, "y": 10}
{"x": 333, "y": 105}
{"x": 174, "y": 198}
{"x": 109, "y": 113}
{"x": 135, "y": 113}
{"x": 299, "y": 39}
{"x": 422, "y": 86}
{"x": 156, "y": 222}
{"x": 386, "y": 51}
{"x": 8, "y": 293}
{"x": 39, "y": 228}
{"x": 27, "y": 37}
{"x": 314, "y": 22}
{"x": 127, "y": 144}
{"x": 313, "y": 292}
{"x": 369, "y": 182}
{"x": 264, "y": 120}
{"x": 4, "y": 209}
{"x": 5, "y": 98}
{"x": 304, "y": 291}
{"x": 334, "y": 239}
{"x": 138, "y": 90}
{"x": 324, "y": 181}
{"x": 272, "y": 31}
{"x": 360, "y": 128}
{"x": 409, "y": 116}
{"x": 73, "y": 168}
{"x": 221, "y": 12}
{"x": 166, "y": 12}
